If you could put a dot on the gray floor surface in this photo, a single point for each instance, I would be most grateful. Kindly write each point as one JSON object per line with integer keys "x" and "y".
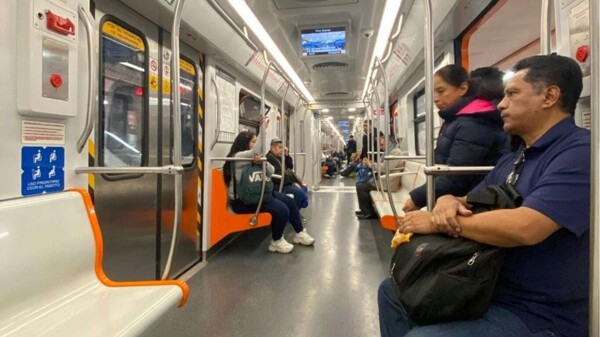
{"x": 326, "y": 290}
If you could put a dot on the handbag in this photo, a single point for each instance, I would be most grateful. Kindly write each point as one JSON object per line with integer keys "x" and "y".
{"x": 438, "y": 278}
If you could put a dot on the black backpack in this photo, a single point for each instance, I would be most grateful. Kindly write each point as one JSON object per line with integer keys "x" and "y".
{"x": 438, "y": 278}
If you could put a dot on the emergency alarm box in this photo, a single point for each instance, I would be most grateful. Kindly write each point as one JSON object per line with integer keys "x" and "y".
{"x": 47, "y": 62}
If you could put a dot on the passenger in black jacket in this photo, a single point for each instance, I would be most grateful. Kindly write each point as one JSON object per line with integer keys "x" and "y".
{"x": 290, "y": 186}
{"x": 471, "y": 134}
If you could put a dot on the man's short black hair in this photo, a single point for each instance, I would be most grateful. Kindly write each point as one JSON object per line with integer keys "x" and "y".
{"x": 547, "y": 70}
{"x": 351, "y": 136}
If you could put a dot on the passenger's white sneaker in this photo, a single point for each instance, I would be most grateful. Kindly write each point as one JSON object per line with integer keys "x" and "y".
{"x": 281, "y": 246}
{"x": 303, "y": 238}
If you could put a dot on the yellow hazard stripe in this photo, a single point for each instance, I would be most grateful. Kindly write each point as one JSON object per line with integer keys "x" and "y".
{"x": 92, "y": 155}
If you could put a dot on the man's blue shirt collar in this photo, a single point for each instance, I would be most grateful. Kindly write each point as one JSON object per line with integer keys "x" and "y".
{"x": 555, "y": 132}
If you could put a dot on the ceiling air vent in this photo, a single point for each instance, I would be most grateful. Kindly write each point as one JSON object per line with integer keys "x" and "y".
{"x": 336, "y": 93}
{"x": 330, "y": 66}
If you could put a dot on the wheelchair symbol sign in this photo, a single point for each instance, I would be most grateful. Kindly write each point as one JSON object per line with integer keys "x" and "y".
{"x": 42, "y": 169}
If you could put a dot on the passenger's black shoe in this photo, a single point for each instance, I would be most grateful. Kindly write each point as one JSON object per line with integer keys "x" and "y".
{"x": 359, "y": 212}
{"x": 367, "y": 216}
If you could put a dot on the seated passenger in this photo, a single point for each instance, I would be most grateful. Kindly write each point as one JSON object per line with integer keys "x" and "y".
{"x": 327, "y": 161}
{"x": 543, "y": 285}
{"x": 282, "y": 208}
{"x": 364, "y": 188}
{"x": 471, "y": 134}
{"x": 290, "y": 185}
{"x": 289, "y": 166}
{"x": 352, "y": 165}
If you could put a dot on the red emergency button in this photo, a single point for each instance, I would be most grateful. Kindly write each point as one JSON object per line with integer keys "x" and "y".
{"x": 59, "y": 24}
{"x": 582, "y": 53}
{"x": 56, "y": 80}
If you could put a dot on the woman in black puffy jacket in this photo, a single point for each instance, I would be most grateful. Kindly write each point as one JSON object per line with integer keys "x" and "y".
{"x": 471, "y": 134}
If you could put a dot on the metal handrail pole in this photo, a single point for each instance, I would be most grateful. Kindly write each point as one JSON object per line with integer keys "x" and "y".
{"x": 429, "y": 66}
{"x": 440, "y": 170}
{"x": 545, "y": 42}
{"x": 89, "y": 23}
{"x": 403, "y": 157}
{"x": 387, "y": 135}
{"x": 595, "y": 170}
{"x": 283, "y": 137}
{"x": 293, "y": 130}
{"x": 233, "y": 159}
{"x": 167, "y": 170}
{"x": 254, "y": 219}
{"x": 378, "y": 184}
{"x": 176, "y": 133}
{"x": 218, "y": 126}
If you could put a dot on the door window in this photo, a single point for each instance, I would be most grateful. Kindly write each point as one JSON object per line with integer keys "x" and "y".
{"x": 123, "y": 106}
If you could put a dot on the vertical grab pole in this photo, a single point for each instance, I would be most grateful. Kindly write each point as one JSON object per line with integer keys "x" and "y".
{"x": 375, "y": 139}
{"x": 283, "y": 137}
{"x": 595, "y": 178}
{"x": 176, "y": 133}
{"x": 302, "y": 149}
{"x": 545, "y": 43}
{"x": 294, "y": 132}
{"x": 254, "y": 219}
{"x": 429, "y": 101}
{"x": 387, "y": 137}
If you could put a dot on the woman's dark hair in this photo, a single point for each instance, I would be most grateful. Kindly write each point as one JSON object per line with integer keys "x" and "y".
{"x": 453, "y": 74}
{"x": 486, "y": 83}
{"x": 241, "y": 143}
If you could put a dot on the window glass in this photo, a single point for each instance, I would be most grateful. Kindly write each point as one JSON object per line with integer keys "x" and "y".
{"x": 123, "y": 110}
{"x": 249, "y": 107}
{"x": 420, "y": 137}
{"x": 419, "y": 122}
{"x": 188, "y": 111}
{"x": 420, "y": 104}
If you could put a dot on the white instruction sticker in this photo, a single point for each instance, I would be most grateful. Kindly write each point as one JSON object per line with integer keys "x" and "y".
{"x": 42, "y": 133}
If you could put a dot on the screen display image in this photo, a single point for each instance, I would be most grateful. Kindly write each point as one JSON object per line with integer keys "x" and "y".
{"x": 323, "y": 41}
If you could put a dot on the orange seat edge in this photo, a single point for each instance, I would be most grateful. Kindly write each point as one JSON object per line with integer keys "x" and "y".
{"x": 87, "y": 200}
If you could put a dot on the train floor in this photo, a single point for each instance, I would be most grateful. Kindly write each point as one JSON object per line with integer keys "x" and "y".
{"x": 326, "y": 290}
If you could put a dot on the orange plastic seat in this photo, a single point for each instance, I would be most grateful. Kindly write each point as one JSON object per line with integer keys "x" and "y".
{"x": 223, "y": 221}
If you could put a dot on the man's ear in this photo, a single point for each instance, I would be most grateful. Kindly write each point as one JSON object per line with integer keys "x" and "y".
{"x": 551, "y": 96}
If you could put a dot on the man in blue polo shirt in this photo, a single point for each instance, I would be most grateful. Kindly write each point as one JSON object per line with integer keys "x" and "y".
{"x": 543, "y": 286}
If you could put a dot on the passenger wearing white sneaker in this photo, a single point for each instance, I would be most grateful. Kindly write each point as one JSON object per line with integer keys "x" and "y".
{"x": 281, "y": 246}
{"x": 282, "y": 208}
{"x": 303, "y": 238}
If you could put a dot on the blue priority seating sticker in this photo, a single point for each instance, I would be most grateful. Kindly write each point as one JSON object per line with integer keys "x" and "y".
{"x": 42, "y": 169}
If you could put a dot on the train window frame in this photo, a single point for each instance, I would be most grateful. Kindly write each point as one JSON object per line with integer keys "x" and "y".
{"x": 247, "y": 122}
{"x": 145, "y": 100}
{"x": 418, "y": 119}
{"x": 192, "y": 164}
{"x": 461, "y": 42}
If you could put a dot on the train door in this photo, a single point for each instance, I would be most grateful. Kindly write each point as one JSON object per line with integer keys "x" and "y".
{"x": 188, "y": 250}
{"x": 135, "y": 130}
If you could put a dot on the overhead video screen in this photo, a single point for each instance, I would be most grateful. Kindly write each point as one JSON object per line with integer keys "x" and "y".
{"x": 323, "y": 41}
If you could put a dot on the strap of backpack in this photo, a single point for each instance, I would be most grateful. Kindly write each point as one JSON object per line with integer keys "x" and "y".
{"x": 235, "y": 195}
